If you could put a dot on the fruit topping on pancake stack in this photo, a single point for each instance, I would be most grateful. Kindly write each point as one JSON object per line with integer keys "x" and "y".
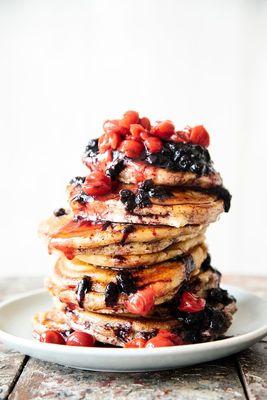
{"x": 133, "y": 268}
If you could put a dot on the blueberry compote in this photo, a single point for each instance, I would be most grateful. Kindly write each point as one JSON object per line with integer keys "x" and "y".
{"x": 184, "y": 157}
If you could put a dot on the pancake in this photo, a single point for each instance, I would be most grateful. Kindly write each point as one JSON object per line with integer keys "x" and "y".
{"x": 135, "y": 172}
{"x": 83, "y": 237}
{"x": 180, "y": 208}
{"x": 76, "y": 233}
{"x": 117, "y": 330}
{"x": 172, "y": 166}
{"x": 133, "y": 261}
{"x": 106, "y": 329}
{"x": 164, "y": 278}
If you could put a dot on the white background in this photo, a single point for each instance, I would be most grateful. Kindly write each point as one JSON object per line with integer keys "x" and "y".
{"x": 65, "y": 66}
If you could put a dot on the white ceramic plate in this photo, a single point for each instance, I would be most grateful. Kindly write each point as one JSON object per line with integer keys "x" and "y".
{"x": 249, "y": 326}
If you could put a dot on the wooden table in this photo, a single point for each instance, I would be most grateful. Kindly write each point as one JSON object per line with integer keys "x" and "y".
{"x": 241, "y": 376}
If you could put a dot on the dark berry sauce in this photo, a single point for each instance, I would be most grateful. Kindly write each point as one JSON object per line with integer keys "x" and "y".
{"x": 83, "y": 287}
{"x": 141, "y": 198}
{"x": 218, "y": 295}
{"x": 111, "y": 294}
{"x": 59, "y": 212}
{"x": 184, "y": 157}
{"x": 126, "y": 282}
{"x": 126, "y": 232}
{"x": 92, "y": 148}
{"x": 115, "y": 168}
{"x": 123, "y": 332}
{"x": 77, "y": 180}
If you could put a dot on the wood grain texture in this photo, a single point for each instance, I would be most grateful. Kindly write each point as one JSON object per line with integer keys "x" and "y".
{"x": 253, "y": 364}
{"x": 211, "y": 381}
{"x": 11, "y": 364}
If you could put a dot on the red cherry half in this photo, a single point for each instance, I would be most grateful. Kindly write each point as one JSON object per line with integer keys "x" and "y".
{"x": 141, "y": 302}
{"x": 132, "y": 148}
{"x": 159, "y": 341}
{"x": 163, "y": 129}
{"x": 96, "y": 184}
{"x": 153, "y": 144}
{"x": 136, "y": 343}
{"x": 52, "y": 337}
{"x": 191, "y": 303}
{"x": 129, "y": 118}
{"x": 199, "y": 135}
{"x": 79, "y": 338}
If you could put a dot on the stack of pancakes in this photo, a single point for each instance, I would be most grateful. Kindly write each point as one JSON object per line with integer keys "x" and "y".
{"x": 128, "y": 257}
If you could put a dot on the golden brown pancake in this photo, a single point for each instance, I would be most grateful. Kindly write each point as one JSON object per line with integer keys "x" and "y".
{"x": 133, "y": 261}
{"x": 183, "y": 208}
{"x": 120, "y": 329}
{"x": 138, "y": 171}
{"x": 67, "y": 232}
{"x": 105, "y": 328}
{"x": 135, "y": 172}
{"x": 165, "y": 278}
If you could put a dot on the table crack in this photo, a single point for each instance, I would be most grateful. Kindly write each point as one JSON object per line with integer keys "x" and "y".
{"x": 16, "y": 377}
{"x": 242, "y": 379}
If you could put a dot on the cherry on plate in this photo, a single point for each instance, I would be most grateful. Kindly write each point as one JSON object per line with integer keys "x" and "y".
{"x": 54, "y": 337}
{"x": 136, "y": 343}
{"x": 159, "y": 341}
{"x": 141, "y": 302}
{"x": 191, "y": 303}
{"x": 79, "y": 338}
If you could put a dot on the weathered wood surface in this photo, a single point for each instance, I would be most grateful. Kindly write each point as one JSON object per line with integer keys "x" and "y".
{"x": 239, "y": 377}
{"x": 253, "y": 364}
{"x": 11, "y": 365}
{"x": 210, "y": 381}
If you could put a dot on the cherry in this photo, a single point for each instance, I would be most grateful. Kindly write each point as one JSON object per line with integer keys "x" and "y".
{"x": 52, "y": 337}
{"x": 163, "y": 129}
{"x": 191, "y": 303}
{"x": 159, "y": 341}
{"x": 111, "y": 126}
{"x": 109, "y": 141}
{"x": 79, "y": 338}
{"x": 145, "y": 123}
{"x": 103, "y": 143}
{"x": 141, "y": 302}
{"x": 144, "y": 135}
{"x": 114, "y": 140}
{"x": 136, "y": 130}
{"x": 96, "y": 184}
{"x": 200, "y": 136}
{"x": 180, "y": 136}
{"x": 169, "y": 335}
{"x": 153, "y": 144}
{"x": 132, "y": 148}
{"x": 130, "y": 117}
{"x": 136, "y": 343}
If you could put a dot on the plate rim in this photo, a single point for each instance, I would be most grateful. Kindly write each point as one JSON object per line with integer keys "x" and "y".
{"x": 10, "y": 339}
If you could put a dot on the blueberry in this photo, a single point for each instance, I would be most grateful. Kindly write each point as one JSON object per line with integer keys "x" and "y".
{"x": 59, "y": 212}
